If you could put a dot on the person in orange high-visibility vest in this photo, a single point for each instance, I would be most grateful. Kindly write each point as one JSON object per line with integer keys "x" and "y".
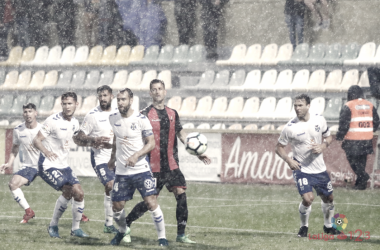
{"x": 357, "y": 121}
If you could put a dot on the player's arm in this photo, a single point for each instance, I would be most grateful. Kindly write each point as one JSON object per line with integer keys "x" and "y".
{"x": 12, "y": 157}
{"x": 280, "y": 151}
{"x": 37, "y": 143}
{"x": 111, "y": 162}
{"x": 319, "y": 148}
{"x": 182, "y": 137}
{"x": 81, "y": 139}
{"x": 149, "y": 146}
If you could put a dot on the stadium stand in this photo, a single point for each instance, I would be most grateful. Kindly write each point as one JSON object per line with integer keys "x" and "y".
{"x": 283, "y": 109}
{"x": 316, "y": 81}
{"x": 188, "y": 106}
{"x": 268, "y": 81}
{"x": 333, "y": 107}
{"x": 166, "y": 77}
{"x": 299, "y": 55}
{"x": 14, "y": 57}
{"x": 284, "y": 80}
{"x": 235, "y": 107}
{"x": 332, "y": 56}
{"x": 236, "y": 126}
{"x": 316, "y": 54}
{"x": 251, "y": 82}
{"x": 150, "y": 57}
{"x": 147, "y": 78}
{"x": 68, "y": 56}
{"x": 269, "y": 54}
{"x": 188, "y": 126}
{"x": 237, "y": 56}
{"x": 251, "y": 127}
{"x": 221, "y": 80}
{"x": 120, "y": 80}
{"x": 166, "y": 55}
{"x": 81, "y": 55}
{"x": 197, "y": 54}
{"x": 350, "y": 78}
{"x": 333, "y": 81}
{"x": 91, "y": 81}
{"x": 122, "y": 56}
{"x": 54, "y": 56}
{"x": 364, "y": 81}
{"x": 219, "y": 126}
{"x": 253, "y": 55}
{"x": 237, "y": 79}
{"x": 175, "y": 103}
{"x": 46, "y": 105}
{"x": 300, "y": 81}
{"x": 137, "y": 54}
{"x": 109, "y": 55}
{"x": 367, "y": 53}
{"x": 134, "y": 79}
{"x": 22, "y": 82}
{"x": 17, "y": 105}
{"x": 27, "y": 55}
{"x": 181, "y": 54}
{"x": 6, "y": 104}
{"x": 203, "y": 107}
{"x": 218, "y": 109}
{"x": 204, "y": 126}
{"x": 250, "y": 109}
{"x": 10, "y": 80}
{"x": 317, "y": 106}
{"x": 37, "y": 81}
{"x": 106, "y": 78}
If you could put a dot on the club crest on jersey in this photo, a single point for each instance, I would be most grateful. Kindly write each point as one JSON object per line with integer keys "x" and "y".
{"x": 148, "y": 184}
{"x": 133, "y": 126}
{"x": 73, "y": 127}
{"x": 317, "y": 128}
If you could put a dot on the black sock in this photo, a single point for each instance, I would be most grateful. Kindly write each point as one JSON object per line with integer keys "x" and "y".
{"x": 181, "y": 213}
{"x": 139, "y": 210}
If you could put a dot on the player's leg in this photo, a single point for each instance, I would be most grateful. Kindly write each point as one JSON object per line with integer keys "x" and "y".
{"x": 305, "y": 190}
{"x": 77, "y": 210}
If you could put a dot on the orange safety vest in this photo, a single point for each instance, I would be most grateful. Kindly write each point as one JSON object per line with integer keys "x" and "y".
{"x": 361, "y": 125}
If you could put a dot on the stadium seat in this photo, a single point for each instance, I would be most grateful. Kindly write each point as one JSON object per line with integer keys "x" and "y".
{"x": 350, "y": 78}
{"x": 218, "y": 109}
{"x": 108, "y": 56}
{"x": 221, "y": 80}
{"x": 203, "y": 107}
{"x": 106, "y": 78}
{"x": 37, "y": 81}
{"x": 57, "y": 107}
{"x": 88, "y": 104}
{"x": 151, "y": 55}
{"x": 316, "y": 54}
{"x": 317, "y": 106}
{"x": 10, "y": 80}
{"x": 235, "y": 108}
{"x": 219, "y": 126}
{"x": 166, "y": 55}
{"x": 367, "y": 53}
{"x": 197, "y": 54}
{"x": 237, "y": 56}
{"x": 333, "y": 54}
{"x": 122, "y": 56}
{"x": 137, "y": 54}
{"x": 188, "y": 106}
{"x": 120, "y": 80}
{"x": 316, "y": 81}
{"x": 91, "y": 81}
{"x": 63, "y": 81}
{"x": 281, "y": 127}
{"x": 251, "y": 82}
{"x": 284, "y": 80}
{"x": 134, "y": 79}
{"x": 175, "y": 103}
{"x": 376, "y": 59}
{"x": 237, "y": 79}
{"x": 268, "y": 81}
{"x": 81, "y": 55}
{"x": 181, "y": 54}
{"x": 78, "y": 80}
{"x": 68, "y": 56}
{"x": 251, "y": 127}
{"x": 299, "y": 55}
{"x": 166, "y": 77}
{"x": 283, "y": 109}
{"x": 333, "y": 107}
{"x": 6, "y": 104}
{"x": 188, "y": 126}
{"x": 373, "y": 100}
{"x": 253, "y": 55}
{"x": 236, "y": 126}
{"x": 333, "y": 81}
{"x": 267, "y": 108}
{"x": 15, "y": 123}
{"x": 23, "y": 81}
{"x": 17, "y": 105}
{"x": 54, "y": 56}
{"x": 370, "y": 61}
{"x": 40, "y": 58}
{"x": 250, "y": 109}
{"x": 267, "y": 127}
{"x": 269, "y": 54}
{"x": 204, "y": 126}
{"x": 2, "y": 77}
{"x": 300, "y": 80}
{"x": 4, "y": 123}
{"x": 147, "y": 78}
{"x": 28, "y": 55}
{"x": 14, "y": 57}
{"x": 349, "y": 52}
{"x": 206, "y": 80}
{"x": 46, "y": 105}
{"x": 35, "y": 99}
{"x": 95, "y": 56}
{"x": 285, "y": 53}
{"x": 364, "y": 81}
{"x": 334, "y": 128}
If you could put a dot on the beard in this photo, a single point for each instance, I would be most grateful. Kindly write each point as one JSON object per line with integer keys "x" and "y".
{"x": 105, "y": 105}
{"x": 124, "y": 110}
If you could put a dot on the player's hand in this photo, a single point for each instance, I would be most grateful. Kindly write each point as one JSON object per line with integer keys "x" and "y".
{"x": 131, "y": 161}
{"x": 294, "y": 165}
{"x": 317, "y": 148}
{"x": 3, "y": 167}
{"x": 51, "y": 156}
{"x": 100, "y": 142}
{"x": 204, "y": 159}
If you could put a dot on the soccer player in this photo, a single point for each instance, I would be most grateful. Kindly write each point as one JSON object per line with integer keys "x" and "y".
{"x": 305, "y": 133}
{"x": 133, "y": 140}
{"x": 53, "y": 141}
{"x": 164, "y": 157}
{"x": 23, "y": 136}
{"x": 96, "y": 132}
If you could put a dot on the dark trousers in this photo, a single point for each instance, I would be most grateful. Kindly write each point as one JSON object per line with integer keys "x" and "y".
{"x": 295, "y": 24}
{"x": 210, "y": 25}
{"x": 358, "y": 163}
{"x": 184, "y": 12}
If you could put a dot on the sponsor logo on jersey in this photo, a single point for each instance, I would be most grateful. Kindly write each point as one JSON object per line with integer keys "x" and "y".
{"x": 63, "y": 129}
{"x": 21, "y": 136}
{"x": 102, "y": 120}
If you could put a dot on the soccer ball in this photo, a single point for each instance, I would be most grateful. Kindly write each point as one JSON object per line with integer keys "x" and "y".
{"x": 196, "y": 143}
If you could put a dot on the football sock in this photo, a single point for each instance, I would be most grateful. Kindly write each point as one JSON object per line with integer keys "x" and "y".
{"x": 119, "y": 218}
{"x": 59, "y": 209}
{"x": 77, "y": 210}
{"x": 158, "y": 219}
{"x": 181, "y": 213}
{"x": 18, "y": 196}
{"x": 304, "y": 214}
{"x": 328, "y": 212}
{"x": 139, "y": 210}
{"x": 108, "y": 210}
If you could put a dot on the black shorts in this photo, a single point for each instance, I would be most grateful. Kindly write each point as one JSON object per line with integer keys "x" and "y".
{"x": 170, "y": 179}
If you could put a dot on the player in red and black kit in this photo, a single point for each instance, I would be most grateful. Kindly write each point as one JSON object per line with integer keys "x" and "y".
{"x": 164, "y": 157}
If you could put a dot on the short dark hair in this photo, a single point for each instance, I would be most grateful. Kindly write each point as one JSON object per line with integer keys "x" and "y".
{"x": 29, "y": 106}
{"x": 130, "y": 93}
{"x": 303, "y": 96}
{"x": 69, "y": 94}
{"x": 104, "y": 88}
{"x": 154, "y": 81}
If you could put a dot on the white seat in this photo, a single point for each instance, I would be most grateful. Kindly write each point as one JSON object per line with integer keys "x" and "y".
{"x": 364, "y": 81}
{"x": 204, "y": 126}
{"x": 218, "y": 109}
{"x": 120, "y": 80}
{"x": 333, "y": 81}
{"x": 367, "y": 53}
{"x": 253, "y": 55}
{"x": 267, "y": 108}
{"x": 267, "y": 127}
{"x": 10, "y": 80}
{"x": 334, "y": 128}
{"x": 54, "y": 55}
{"x": 285, "y": 52}
{"x": 166, "y": 77}
{"x": 250, "y": 109}
{"x": 236, "y": 126}
{"x": 147, "y": 78}
{"x": 283, "y": 109}
{"x": 316, "y": 81}
{"x": 203, "y": 107}
{"x": 284, "y": 80}
{"x": 235, "y": 108}
{"x": 68, "y": 55}
{"x": 219, "y": 126}
{"x": 317, "y": 106}
{"x": 88, "y": 104}
{"x": 251, "y": 127}
{"x": 51, "y": 79}
{"x": 281, "y": 127}
{"x": 350, "y": 78}
{"x": 237, "y": 56}
{"x": 269, "y": 54}
{"x": 40, "y": 57}
{"x": 4, "y": 123}
{"x": 23, "y": 81}
{"x": 251, "y": 82}
{"x": 188, "y": 126}
{"x": 134, "y": 79}
{"x": 37, "y": 81}
{"x": 175, "y": 102}
{"x": 268, "y": 81}
{"x": 188, "y": 106}
{"x": 300, "y": 80}
{"x": 81, "y": 55}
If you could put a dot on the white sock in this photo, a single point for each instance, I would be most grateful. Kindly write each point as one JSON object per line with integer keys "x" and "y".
{"x": 328, "y": 213}
{"x": 77, "y": 210}
{"x": 158, "y": 220}
{"x": 108, "y": 210}
{"x": 59, "y": 209}
{"x": 18, "y": 196}
{"x": 304, "y": 214}
{"x": 120, "y": 220}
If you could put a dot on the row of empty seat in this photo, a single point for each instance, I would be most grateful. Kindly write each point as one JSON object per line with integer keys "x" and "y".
{"x": 272, "y": 81}
{"x": 135, "y": 80}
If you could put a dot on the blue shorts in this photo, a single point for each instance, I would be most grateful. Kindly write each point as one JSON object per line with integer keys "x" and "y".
{"x": 102, "y": 171}
{"x": 28, "y": 173}
{"x": 57, "y": 178}
{"x": 124, "y": 186}
{"x": 320, "y": 182}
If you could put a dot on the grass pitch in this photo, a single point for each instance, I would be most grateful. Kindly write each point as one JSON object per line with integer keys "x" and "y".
{"x": 221, "y": 216}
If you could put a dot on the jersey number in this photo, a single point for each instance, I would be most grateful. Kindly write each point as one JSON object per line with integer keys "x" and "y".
{"x": 364, "y": 124}
{"x": 102, "y": 171}
{"x": 116, "y": 187}
{"x": 304, "y": 181}
{"x": 56, "y": 173}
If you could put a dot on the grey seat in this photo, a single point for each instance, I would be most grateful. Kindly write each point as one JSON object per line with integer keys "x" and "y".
{"x": 222, "y": 79}
{"x": 18, "y": 102}
{"x": 197, "y": 53}
{"x": 47, "y": 103}
{"x": 78, "y": 80}
{"x": 333, "y": 54}
{"x": 349, "y": 52}
{"x": 333, "y": 107}
{"x": 166, "y": 54}
{"x": 64, "y": 81}
{"x": 6, "y": 104}
{"x": 106, "y": 78}
{"x": 2, "y": 77}
{"x": 207, "y": 78}
{"x": 92, "y": 80}
{"x": 237, "y": 78}
{"x": 35, "y": 100}
{"x": 299, "y": 55}
{"x": 316, "y": 54}
{"x": 181, "y": 54}
{"x": 151, "y": 56}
